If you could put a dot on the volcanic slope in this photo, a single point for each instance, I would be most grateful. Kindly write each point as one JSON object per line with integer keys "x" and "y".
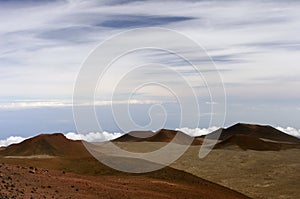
{"x": 254, "y": 137}
{"x": 162, "y": 135}
{"x": 55, "y": 176}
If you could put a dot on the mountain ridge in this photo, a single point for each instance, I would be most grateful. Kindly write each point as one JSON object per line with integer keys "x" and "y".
{"x": 162, "y": 135}
{"x": 55, "y": 144}
{"x": 261, "y": 131}
{"x": 245, "y": 136}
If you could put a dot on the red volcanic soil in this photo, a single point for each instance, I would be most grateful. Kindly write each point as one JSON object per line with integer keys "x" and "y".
{"x": 163, "y": 135}
{"x": 30, "y": 182}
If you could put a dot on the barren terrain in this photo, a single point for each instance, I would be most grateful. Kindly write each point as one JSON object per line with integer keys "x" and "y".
{"x": 259, "y": 174}
{"x": 39, "y": 182}
{"x": 249, "y": 160}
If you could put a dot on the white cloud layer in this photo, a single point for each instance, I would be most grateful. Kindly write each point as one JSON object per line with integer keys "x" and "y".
{"x": 290, "y": 130}
{"x": 197, "y": 131}
{"x": 93, "y": 137}
{"x": 11, "y": 140}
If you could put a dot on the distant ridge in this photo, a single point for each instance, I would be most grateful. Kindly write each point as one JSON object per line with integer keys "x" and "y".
{"x": 134, "y": 136}
{"x": 162, "y": 135}
{"x": 46, "y": 144}
{"x": 244, "y": 136}
{"x": 259, "y": 131}
{"x": 255, "y": 137}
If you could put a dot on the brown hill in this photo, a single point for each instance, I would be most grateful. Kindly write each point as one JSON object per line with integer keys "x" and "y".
{"x": 259, "y": 131}
{"x": 46, "y": 144}
{"x": 163, "y": 135}
{"x": 254, "y": 137}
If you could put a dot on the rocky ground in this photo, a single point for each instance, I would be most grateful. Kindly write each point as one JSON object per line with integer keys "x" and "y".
{"x": 30, "y": 182}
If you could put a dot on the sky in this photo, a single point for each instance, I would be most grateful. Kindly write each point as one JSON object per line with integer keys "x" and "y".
{"x": 254, "y": 45}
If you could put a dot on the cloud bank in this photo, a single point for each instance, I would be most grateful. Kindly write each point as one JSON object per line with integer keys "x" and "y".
{"x": 93, "y": 137}
{"x": 197, "y": 131}
{"x": 11, "y": 140}
{"x": 290, "y": 130}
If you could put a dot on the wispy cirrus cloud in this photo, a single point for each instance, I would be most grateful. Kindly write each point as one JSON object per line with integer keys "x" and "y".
{"x": 48, "y": 39}
{"x": 254, "y": 44}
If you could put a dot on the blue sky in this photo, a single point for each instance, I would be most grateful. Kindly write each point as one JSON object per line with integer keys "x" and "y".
{"x": 254, "y": 44}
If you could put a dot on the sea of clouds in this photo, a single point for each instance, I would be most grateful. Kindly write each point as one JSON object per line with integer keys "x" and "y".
{"x": 105, "y": 136}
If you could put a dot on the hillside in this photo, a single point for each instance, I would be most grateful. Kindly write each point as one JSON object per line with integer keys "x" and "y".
{"x": 246, "y": 142}
{"x": 163, "y": 135}
{"x": 38, "y": 177}
{"x": 46, "y": 144}
{"x": 255, "y": 137}
{"x": 259, "y": 131}
{"x": 32, "y": 182}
